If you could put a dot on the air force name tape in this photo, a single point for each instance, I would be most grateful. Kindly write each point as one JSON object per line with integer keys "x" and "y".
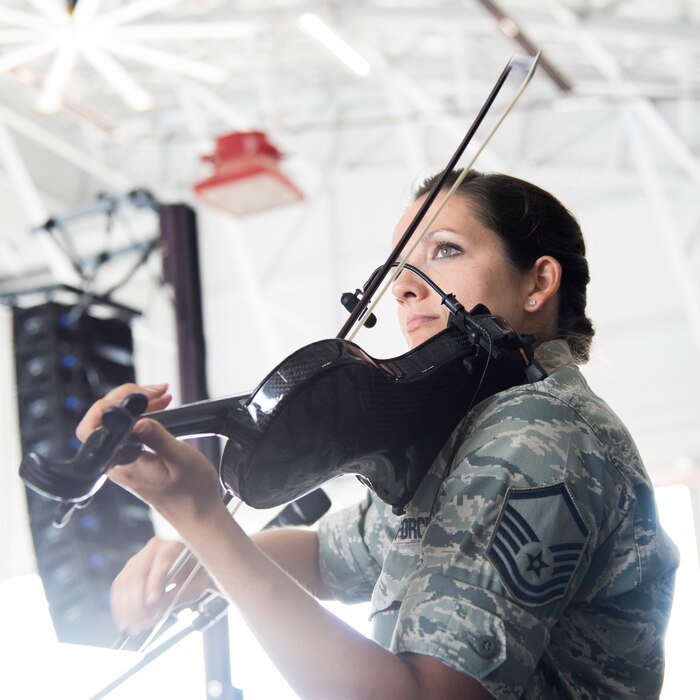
{"x": 538, "y": 543}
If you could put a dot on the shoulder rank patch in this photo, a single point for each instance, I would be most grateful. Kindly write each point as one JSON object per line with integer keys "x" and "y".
{"x": 538, "y": 543}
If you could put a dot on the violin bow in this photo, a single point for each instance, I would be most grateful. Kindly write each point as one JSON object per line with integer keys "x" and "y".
{"x": 526, "y": 63}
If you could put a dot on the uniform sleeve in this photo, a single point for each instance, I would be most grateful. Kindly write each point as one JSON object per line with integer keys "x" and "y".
{"x": 351, "y": 542}
{"x": 509, "y": 543}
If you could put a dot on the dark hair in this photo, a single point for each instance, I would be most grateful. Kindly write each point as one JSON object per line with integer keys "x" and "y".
{"x": 532, "y": 223}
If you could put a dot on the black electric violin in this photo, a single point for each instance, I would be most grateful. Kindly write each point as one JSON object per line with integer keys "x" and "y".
{"x": 329, "y": 408}
{"x": 326, "y": 410}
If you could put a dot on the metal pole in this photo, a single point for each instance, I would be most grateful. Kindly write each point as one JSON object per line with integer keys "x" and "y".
{"x": 178, "y": 228}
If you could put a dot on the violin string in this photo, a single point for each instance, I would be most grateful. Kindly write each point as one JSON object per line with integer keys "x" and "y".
{"x": 182, "y": 560}
{"x": 465, "y": 171}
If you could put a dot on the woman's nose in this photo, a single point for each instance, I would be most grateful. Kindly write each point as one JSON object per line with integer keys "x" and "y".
{"x": 409, "y": 286}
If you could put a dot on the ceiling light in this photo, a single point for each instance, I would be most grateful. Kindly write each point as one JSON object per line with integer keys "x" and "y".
{"x": 51, "y": 97}
{"x": 28, "y": 53}
{"x": 510, "y": 28}
{"x": 165, "y": 60}
{"x": 80, "y": 29}
{"x": 187, "y": 31}
{"x": 319, "y": 30}
{"x": 133, "y": 11}
{"x": 246, "y": 176}
{"x": 131, "y": 92}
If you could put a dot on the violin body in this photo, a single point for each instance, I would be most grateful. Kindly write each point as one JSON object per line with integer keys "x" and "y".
{"x": 331, "y": 409}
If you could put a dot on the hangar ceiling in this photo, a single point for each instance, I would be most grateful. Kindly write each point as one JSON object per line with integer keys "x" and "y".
{"x": 125, "y": 94}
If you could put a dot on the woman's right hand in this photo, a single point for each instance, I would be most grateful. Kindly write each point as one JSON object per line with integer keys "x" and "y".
{"x": 138, "y": 592}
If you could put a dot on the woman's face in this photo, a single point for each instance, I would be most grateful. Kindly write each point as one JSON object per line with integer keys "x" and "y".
{"x": 464, "y": 258}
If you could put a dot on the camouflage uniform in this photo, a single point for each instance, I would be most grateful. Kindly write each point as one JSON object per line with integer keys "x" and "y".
{"x": 530, "y": 558}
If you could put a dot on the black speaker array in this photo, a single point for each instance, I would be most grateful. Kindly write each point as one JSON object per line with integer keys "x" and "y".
{"x": 65, "y": 359}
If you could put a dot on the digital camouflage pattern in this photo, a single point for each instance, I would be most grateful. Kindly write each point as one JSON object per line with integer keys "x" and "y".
{"x": 531, "y": 556}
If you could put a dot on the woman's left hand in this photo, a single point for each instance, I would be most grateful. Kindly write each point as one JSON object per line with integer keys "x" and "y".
{"x": 176, "y": 479}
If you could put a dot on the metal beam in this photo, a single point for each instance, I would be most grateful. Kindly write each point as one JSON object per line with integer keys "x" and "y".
{"x": 508, "y": 25}
{"x": 645, "y": 111}
{"x": 253, "y": 289}
{"x": 51, "y": 142}
{"x": 32, "y": 206}
{"x": 665, "y": 225}
{"x": 453, "y": 127}
{"x": 229, "y": 114}
{"x": 407, "y": 132}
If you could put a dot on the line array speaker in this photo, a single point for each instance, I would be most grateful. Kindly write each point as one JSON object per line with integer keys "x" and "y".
{"x": 65, "y": 359}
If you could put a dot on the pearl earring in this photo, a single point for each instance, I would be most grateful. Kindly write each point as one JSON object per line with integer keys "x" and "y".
{"x": 532, "y": 302}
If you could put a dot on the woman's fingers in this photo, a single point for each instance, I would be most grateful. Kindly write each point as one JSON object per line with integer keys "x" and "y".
{"x": 154, "y": 435}
{"x": 127, "y": 595}
{"x": 138, "y": 592}
{"x": 157, "y": 395}
{"x": 155, "y": 590}
{"x": 175, "y": 478}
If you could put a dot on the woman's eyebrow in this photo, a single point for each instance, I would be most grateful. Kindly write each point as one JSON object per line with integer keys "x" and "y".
{"x": 439, "y": 232}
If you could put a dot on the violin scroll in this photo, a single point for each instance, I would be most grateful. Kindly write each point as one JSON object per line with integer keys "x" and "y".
{"x": 76, "y": 480}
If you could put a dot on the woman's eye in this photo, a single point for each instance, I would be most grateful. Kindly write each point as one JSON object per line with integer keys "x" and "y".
{"x": 446, "y": 250}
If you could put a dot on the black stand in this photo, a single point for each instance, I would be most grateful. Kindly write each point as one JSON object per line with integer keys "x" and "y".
{"x": 212, "y": 611}
{"x": 178, "y": 229}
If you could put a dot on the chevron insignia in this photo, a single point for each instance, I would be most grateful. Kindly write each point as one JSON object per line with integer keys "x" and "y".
{"x": 538, "y": 543}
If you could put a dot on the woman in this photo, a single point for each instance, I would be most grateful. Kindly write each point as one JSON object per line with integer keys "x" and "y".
{"x": 529, "y": 563}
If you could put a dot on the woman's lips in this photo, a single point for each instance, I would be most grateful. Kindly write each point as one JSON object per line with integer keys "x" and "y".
{"x": 416, "y": 321}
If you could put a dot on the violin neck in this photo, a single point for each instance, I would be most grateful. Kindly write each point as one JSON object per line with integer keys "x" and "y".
{"x": 200, "y": 418}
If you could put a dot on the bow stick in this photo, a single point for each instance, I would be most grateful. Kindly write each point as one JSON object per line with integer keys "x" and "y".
{"x": 526, "y": 63}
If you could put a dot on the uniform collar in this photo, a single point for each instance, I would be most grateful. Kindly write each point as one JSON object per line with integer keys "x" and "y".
{"x": 554, "y": 354}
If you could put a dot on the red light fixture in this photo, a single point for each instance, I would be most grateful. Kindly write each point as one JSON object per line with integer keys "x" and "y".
{"x": 246, "y": 176}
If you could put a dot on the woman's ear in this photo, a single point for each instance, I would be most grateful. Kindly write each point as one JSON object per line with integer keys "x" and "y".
{"x": 544, "y": 279}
